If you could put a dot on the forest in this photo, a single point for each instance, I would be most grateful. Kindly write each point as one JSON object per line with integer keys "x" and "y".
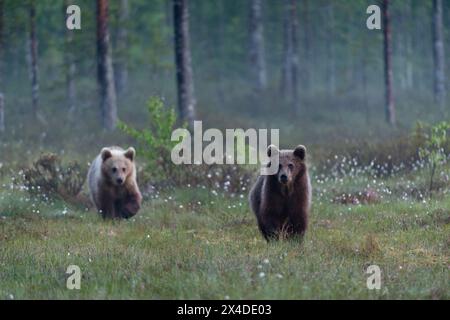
{"x": 370, "y": 105}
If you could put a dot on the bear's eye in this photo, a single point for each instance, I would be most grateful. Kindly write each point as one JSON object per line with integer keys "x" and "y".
{"x": 123, "y": 169}
{"x": 291, "y": 166}
{"x": 114, "y": 169}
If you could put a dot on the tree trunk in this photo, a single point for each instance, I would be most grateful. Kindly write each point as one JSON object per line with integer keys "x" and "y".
{"x": 2, "y": 102}
{"x": 70, "y": 68}
{"x": 122, "y": 45}
{"x": 105, "y": 74}
{"x": 408, "y": 48}
{"x": 404, "y": 46}
{"x": 331, "y": 67}
{"x": 286, "y": 77}
{"x": 219, "y": 53}
{"x": 438, "y": 54}
{"x": 168, "y": 14}
{"x": 364, "y": 62}
{"x": 185, "y": 82}
{"x": 2, "y": 113}
{"x": 2, "y": 46}
{"x": 34, "y": 70}
{"x": 295, "y": 103}
{"x": 388, "y": 75}
{"x": 257, "y": 52}
{"x": 307, "y": 46}
{"x": 416, "y": 47}
{"x": 289, "y": 84}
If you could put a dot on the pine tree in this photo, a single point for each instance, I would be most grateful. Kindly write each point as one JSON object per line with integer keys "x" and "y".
{"x": 388, "y": 74}
{"x": 185, "y": 82}
{"x": 438, "y": 54}
{"x": 257, "y": 54}
{"x": 105, "y": 73}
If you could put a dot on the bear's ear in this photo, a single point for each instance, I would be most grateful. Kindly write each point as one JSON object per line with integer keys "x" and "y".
{"x": 300, "y": 152}
{"x": 130, "y": 153}
{"x": 106, "y": 154}
{"x": 272, "y": 149}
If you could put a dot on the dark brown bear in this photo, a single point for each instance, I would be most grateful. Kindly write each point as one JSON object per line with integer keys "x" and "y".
{"x": 281, "y": 201}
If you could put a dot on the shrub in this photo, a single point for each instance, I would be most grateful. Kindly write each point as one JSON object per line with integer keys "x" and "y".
{"x": 433, "y": 153}
{"x": 48, "y": 177}
{"x": 379, "y": 158}
{"x": 155, "y": 143}
{"x": 382, "y": 159}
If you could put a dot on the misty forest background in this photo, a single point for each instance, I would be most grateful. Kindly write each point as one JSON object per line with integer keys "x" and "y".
{"x": 353, "y": 96}
{"x": 311, "y": 68}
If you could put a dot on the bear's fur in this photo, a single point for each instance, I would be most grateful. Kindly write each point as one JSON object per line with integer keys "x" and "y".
{"x": 281, "y": 201}
{"x": 112, "y": 183}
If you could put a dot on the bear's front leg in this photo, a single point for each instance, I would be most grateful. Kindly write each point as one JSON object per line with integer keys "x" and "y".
{"x": 107, "y": 206}
{"x": 132, "y": 202}
{"x": 108, "y": 210}
{"x": 298, "y": 222}
{"x": 269, "y": 227}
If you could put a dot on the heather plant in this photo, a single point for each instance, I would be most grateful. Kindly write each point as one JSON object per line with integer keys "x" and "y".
{"x": 49, "y": 177}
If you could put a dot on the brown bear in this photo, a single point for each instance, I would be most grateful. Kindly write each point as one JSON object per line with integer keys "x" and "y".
{"x": 281, "y": 201}
{"x": 112, "y": 183}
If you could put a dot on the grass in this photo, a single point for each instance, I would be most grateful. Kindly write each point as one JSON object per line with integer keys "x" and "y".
{"x": 192, "y": 244}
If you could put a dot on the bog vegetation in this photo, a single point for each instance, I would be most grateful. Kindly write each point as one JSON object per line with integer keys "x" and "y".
{"x": 309, "y": 68}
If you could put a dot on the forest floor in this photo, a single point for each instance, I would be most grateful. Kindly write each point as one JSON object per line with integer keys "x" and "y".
{"x": 191, "y": 243}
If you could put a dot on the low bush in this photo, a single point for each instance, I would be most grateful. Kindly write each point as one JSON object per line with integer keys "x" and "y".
{"x": 155, "y": 143}
{"x": 49, "y": 177}
{"x": 433, "y": 153}
{"x": 382, "y": 159}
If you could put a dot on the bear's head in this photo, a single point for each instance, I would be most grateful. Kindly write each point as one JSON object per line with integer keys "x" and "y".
{"x": 117, "y": 164}
{"x": 291, "y": 163}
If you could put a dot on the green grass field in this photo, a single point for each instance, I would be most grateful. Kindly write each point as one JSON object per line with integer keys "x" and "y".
{"x": 191, "y": 243}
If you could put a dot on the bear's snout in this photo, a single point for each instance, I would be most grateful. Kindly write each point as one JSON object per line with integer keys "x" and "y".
{"x": 119, "y": 181}
{"x": 283, "y": 178}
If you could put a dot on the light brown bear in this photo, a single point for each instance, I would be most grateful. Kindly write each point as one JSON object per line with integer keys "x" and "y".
{"x": 281, "y": 201}
{"x": 112, "y": 183}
